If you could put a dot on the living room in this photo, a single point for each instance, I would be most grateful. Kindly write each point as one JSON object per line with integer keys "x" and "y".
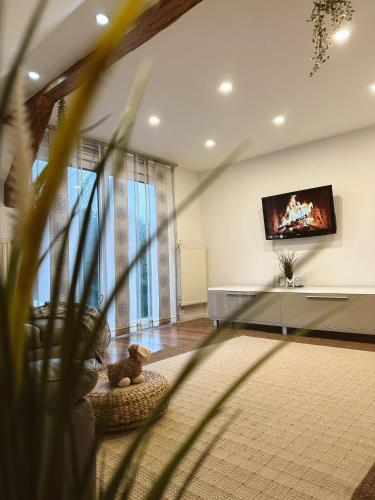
{"x": 186, "y": 254}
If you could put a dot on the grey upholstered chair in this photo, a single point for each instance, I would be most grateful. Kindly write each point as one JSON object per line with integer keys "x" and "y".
{"x": 82, "y": 416}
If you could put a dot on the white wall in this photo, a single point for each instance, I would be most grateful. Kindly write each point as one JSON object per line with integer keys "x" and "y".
{"x": 189, "y": 228}
{"x": 232, "y": 222}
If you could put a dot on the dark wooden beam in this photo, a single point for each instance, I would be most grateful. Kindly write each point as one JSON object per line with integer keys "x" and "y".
{"x": 39, "y": 110}
{"x": 150, "y": 23}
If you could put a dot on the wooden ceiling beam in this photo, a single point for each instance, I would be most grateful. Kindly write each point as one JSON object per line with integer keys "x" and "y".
{"x": 39, "y": 112}
{"x": 150, "y": 23}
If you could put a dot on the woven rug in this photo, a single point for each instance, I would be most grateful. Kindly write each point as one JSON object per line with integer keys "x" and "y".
{"x": 304, "y": 425}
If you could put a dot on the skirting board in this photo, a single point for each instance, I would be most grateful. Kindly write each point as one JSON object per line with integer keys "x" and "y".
{"x": 196, "y": 311}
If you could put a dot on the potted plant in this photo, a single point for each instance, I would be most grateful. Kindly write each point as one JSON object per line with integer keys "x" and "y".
{"x": 287, "y": 262}
{"x": 32, "y": 461}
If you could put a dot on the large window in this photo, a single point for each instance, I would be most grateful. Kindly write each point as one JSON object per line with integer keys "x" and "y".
{"x": 143, "y": 278}
{"x": 139, "y": 199}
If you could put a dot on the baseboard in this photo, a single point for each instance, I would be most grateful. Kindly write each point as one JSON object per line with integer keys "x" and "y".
{"x": 195, "y": 311}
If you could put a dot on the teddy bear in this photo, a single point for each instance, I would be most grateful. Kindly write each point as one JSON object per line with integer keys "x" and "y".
{"x": 129, "y": 371}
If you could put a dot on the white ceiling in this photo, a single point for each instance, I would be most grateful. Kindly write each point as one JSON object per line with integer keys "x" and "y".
{"x": 263, "y": 46}
{"x": 66, "y": 32}
{"x": 16, "y": 14}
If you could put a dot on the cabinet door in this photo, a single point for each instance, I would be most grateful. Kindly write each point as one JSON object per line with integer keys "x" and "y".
{"x": 225, "y": 305}
{"x": 249, "y": 307}
{"x": 358, "y": 316}
{"x": 216, "y": 304}
{"x": 337, "y": 312}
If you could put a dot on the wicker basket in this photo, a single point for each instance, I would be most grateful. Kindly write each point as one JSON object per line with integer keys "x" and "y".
{"x": 124, "y": 408}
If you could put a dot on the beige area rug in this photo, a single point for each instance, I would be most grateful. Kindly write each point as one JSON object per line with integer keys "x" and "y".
{"x": 306, "y": 427}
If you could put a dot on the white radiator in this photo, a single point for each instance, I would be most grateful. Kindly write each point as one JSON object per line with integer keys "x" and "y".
{"x": 5, "y": 249}
{"x": 193, "y": 275}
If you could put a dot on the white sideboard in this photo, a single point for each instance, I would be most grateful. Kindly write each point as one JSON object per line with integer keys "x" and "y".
{"x": 341, "y": 309}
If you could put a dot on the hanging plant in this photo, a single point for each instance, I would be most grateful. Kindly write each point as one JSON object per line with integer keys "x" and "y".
{"x": 341, "y": 13}
{"x": 61, "y": 110}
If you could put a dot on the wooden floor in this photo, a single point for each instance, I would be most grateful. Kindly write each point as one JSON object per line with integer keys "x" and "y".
{"x": 170, "y": 340}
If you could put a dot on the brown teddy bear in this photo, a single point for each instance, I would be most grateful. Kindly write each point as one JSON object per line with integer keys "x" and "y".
{"x": 129, "y": 371}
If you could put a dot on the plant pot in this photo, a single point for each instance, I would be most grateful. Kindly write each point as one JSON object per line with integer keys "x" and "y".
{"x": 289, "y": 282}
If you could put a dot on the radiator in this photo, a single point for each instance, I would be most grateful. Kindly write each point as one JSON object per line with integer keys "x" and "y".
{"x": 5, "y": 249}
{"x": 192, "y": 274}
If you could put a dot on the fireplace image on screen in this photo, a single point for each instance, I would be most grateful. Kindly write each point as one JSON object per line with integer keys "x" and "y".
{"x": 309, "y": 212}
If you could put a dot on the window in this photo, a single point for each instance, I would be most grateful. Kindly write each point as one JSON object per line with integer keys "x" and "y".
{"x": 143, "y": 278}
{"x": 141, "y": 196}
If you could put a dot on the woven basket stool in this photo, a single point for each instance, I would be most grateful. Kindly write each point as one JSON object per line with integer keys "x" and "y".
{"x": 124, "y": 408}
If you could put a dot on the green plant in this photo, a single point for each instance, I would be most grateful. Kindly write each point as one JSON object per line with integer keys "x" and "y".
{"x": 287, "y": 261}
{"x": 61, "y": 110}
{"x": 341, "y": 13}
{"x": 30, "y": 466}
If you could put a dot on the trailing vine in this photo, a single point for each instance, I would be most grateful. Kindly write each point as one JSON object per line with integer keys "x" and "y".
{"x": 61, "y": 110}
{"x": 341, "y": 13}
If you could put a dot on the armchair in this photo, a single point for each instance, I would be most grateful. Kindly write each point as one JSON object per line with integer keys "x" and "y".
{"x": 82, "y": 416}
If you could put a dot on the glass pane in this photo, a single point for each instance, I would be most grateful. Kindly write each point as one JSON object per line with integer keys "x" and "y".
{"x": 142, "y": 240}
{"x": 80, "y": 183}
{"x": 143, "y": 277}
{"x": 41, "y": 293}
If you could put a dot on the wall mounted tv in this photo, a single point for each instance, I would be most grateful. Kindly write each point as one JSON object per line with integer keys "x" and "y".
{"x": 298, "y": 214}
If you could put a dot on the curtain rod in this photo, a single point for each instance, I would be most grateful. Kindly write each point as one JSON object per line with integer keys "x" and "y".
{"x": 131, "y": 151}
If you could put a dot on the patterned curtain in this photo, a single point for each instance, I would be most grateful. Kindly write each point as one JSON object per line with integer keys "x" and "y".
{"x": 163, "y": 211}
{"x": 143, "y": 201}
{"x": 120, "y": 197}
{"x": 58, "y": 217}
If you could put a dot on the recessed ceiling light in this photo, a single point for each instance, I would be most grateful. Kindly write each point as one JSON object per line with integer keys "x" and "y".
{"x": 102, "y": 19}
{"x": 226, "y": 88}
{"x": 154, "y": 121}
{"x": 372, "y": 88}
{"x": 210, "y": 143}
{"x": 341, "y": 35}
{"x": 279, "y": 120}
{"x": 33, "y": 75}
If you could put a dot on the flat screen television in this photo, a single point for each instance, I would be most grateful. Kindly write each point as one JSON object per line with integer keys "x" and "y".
{"x": 298, "y": 214}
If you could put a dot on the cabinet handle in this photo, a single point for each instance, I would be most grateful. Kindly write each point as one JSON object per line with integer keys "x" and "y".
{"x": 239, "y": 294}
{"x": 327, "y": 297}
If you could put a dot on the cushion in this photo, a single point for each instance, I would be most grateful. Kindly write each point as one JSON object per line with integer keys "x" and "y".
{"x": 33, "y": 340}
{"x": 87, "y": 381}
